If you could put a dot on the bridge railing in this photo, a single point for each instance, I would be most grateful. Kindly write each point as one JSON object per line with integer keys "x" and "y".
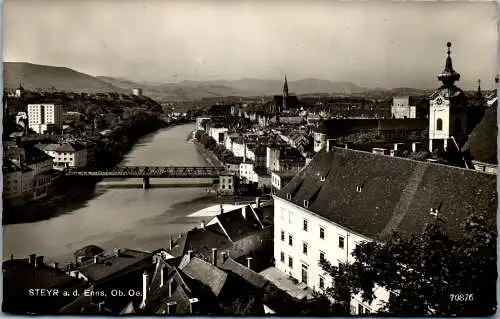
{"x": 147, "y": 171}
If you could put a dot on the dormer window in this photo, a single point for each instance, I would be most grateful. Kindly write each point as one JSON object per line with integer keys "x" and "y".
{"x": 288, "y": 196}
{"x": 358, "y": 189}
{"x": 306, "y": 203}
{"x": 322, "y": 178}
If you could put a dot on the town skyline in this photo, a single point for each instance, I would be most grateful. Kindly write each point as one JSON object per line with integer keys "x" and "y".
{"x": 265, "y": 41}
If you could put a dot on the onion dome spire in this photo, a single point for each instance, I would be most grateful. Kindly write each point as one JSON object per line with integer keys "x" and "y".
{"x": 448, "y": 76}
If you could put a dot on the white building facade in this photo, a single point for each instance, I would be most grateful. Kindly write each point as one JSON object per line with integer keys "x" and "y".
{"x": 302, "y": 239}
{"x": 401, "y": 108}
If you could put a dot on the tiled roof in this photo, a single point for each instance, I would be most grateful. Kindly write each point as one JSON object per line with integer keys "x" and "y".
{"x": 34, "y": 155}
{"x": 111, "y": 265}
{"x": 201, "y": 241}
{"x": 482, "y": 143}
{"x": 236, "y": 226}
{"x": 64, "y": 147}
{"x": 396, "y": 193}
{"x": 206, "y": 273}
{"x": 249, "y": 275}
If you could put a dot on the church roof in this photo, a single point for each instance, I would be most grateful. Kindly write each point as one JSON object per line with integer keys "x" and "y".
{"x": 292, "y": 102}
{"x": 396, "y": 193}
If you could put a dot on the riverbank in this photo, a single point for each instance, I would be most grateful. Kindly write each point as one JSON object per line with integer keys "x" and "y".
{"x": 66, "y": 195}
{"x": 208, "y": 155}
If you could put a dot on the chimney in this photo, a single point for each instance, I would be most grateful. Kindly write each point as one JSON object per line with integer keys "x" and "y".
{"x": 11, "y": 256}
{"x": 202, "y": 226}
{"x": 244, "y": 212}
{"x": 224, "y": 256}
{"x": 117, "y": 252}
{"x": 100, "y": 306}
{"x": 330, "y": 143}
{"x": 171, "y": 243}
{"x": 55, "y": 265}
{"x": 145, "y": 285}
{"x": 32, "y": 259}
{"x": 193, "y": 305}
{"x": 162, "y": 276}
{"x": 221, "y": 209}
{"x": 96, "y": 259}
{"x": 249, "y": 262}
{"x": 214, "y": 257}
{"x": 257, "y": 202}
{"x": 190, "y": 254}
{"x": 170, "y": 288}
{"x": 38, "y": 261}
{"x": 171, "y": 307}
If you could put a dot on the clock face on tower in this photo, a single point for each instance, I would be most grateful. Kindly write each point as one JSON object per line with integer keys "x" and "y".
{"x": 439, "y": 101}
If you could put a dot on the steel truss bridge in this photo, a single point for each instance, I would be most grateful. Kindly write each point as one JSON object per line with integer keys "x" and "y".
{"x": 147, "y": 172}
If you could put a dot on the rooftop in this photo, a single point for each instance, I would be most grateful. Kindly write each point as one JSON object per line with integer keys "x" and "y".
{"x": 111, "y": 265}
{"x": 283, "y": 282}
{"x": 206, "y": 273}
{"x": 252, "y": 277}
{"x": 395, "y": 193}
{"x": 19, "y": 276}
{"x": 482, "y": 143}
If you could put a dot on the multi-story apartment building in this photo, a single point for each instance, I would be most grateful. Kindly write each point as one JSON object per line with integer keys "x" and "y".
{"x": 66, "y": 154}
{"x": 41, "y": 117}
{"x": 326, "y": 210}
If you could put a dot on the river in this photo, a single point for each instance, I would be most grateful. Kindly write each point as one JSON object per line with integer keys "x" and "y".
{"x": 122, "y": 217}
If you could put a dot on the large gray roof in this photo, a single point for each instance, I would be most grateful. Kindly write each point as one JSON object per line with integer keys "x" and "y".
{"x": 397, "y": 194}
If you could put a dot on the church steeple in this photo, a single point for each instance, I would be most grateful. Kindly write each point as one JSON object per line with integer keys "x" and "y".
{"x": 448, "y": 76}
{"x": 285, "y": 87}
{"x": 285, "y": 94}
{"x": 479, "y": 94}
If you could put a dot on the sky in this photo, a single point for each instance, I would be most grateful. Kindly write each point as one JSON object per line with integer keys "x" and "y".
{"x": 371, "y": 43}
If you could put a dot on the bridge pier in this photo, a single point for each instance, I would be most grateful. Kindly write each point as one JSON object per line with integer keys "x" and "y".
{"x": 145, "y": 183}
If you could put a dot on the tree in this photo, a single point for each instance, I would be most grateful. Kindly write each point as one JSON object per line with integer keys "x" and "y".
{"x": 428, "y": 273}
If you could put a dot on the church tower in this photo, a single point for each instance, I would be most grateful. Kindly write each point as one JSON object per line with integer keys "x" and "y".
{"x": 447, "y": 113}
{"x": 285, "y": 94}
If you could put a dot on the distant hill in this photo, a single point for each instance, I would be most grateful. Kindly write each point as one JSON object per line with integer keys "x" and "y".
{"x": 35, "y": 76}
{"x": 193, "y": 90}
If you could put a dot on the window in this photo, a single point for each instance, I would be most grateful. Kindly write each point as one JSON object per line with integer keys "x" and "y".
{"x": 290, "y": 262}
{"x": 321, "y": 233}
{"x": 228, "y": 186}
{"x": 321, "y": 283}
{"x": 282, "y": 257}
{"x": 282, "y": 235}
{"x": 321, "y": 256}
{"x": 282, "y": 213}
{"x": 304, "y": 248}
{"x": 290, "y": 215}
{"x": 305, "y": 225}
{"x": 439, "y": 125}
{"x": 290, "y": 240}
{"x": 341, "y": 242}
{"x": 304, "y": 273}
